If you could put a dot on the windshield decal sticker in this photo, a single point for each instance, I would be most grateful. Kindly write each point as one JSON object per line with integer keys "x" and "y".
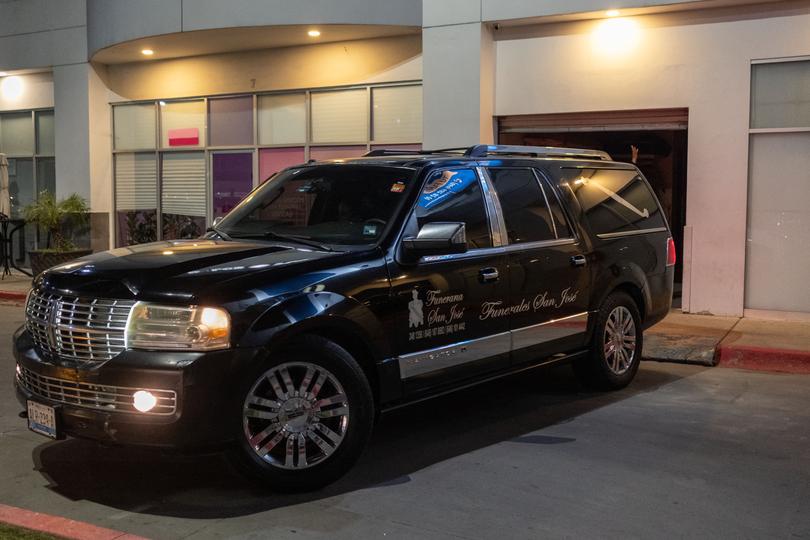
{"x": 397, "y": 187}
{"x": 444, "y": 314}
{"x": 444, "y": 187}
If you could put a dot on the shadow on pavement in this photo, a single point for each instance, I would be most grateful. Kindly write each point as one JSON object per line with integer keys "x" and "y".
{"x": 405, "y": 441}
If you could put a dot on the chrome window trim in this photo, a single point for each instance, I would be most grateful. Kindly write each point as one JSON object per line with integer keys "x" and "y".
{"x": 509, "y": 248}
{"x": 494, "y": 210}
{"x": 470, "y": 350}
{"x": 547, "y": 182}
{"x": 620, "y": 234}
{"x": 454, "y": 354}
{"x": 544, "y": 332}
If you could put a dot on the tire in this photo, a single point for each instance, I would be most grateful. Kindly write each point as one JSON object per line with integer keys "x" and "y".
{"x": 613, "y": 361}
{"x": 331, "y": 419}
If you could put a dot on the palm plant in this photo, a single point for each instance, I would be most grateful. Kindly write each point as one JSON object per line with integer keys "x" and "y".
{"x": 53, "y": 215}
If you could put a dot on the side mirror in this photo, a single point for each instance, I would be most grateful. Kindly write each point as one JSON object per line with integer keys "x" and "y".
{"x": 437, "y": 239}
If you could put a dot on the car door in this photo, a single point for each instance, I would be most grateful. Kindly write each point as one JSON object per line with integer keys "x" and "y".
{"x": 437, "y": 326}
{"x": 548, "y": 274}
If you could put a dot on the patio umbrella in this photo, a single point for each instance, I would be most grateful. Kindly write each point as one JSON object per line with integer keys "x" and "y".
{"x": 5, "y": 198}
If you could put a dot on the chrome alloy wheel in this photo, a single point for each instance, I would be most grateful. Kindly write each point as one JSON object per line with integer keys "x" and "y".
{"x": 620, "y": 340}
{"x": 295, "y": 415}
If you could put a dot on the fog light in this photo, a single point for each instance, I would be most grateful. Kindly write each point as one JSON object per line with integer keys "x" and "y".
{"x": 144, "y": 401}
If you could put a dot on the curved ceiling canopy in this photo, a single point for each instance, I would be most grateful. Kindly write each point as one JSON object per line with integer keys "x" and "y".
{"x": 224, "y": 40}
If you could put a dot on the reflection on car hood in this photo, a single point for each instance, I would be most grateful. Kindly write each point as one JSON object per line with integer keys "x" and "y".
{"x": 181, "y": 269}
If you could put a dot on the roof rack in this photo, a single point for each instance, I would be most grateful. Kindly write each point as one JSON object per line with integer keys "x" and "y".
{"x": 483, "y": 150}
{"x": 392, "y": 152}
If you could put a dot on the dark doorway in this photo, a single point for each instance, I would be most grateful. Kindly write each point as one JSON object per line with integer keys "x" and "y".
{"x": 661, "y": 157}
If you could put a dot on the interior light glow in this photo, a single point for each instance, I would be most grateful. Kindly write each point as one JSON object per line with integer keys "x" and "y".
{"x": 144, "y": 401}
{"x": 147, "y": 52}
{"x": 612, "y": 13}
{"x": 11, "y": 87}
{"x": 616, "y": 36}
{"x": 314, "y": 33}
{"x": 3, "y": 74}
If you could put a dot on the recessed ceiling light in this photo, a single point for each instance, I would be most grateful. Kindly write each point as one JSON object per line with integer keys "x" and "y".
{"x": 612, "y": 13}
{"x": 147, "y": 52}
{"x": 314, "y": 33}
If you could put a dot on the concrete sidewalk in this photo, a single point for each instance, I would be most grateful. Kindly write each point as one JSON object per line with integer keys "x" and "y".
{"x": 755, "y": 344}
{"x": 15, "y": 286}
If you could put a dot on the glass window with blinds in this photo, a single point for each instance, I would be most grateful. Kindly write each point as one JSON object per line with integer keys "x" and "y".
{"x": 780, "y": 95}
{"x": 134, "y": 126}
{"x": 282, "y": 119}
{"x": 340, "y": 116}
{"x": 136, "y": 198}
{"x": 397, "y": 114}
{"x": 183, "y": 196}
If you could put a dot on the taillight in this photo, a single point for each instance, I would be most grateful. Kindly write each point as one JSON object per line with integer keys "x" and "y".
{"x": 671, "y": 255}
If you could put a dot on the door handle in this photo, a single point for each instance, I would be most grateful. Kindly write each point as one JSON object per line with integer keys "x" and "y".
{"x": 579, "y": 260}
{"x": 488, "y": 275}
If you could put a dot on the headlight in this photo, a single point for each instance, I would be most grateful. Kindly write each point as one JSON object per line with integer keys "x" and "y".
{"x": 193, "y": 328}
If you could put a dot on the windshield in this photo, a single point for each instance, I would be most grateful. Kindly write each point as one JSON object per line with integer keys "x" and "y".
{"x": 344, "y": 205}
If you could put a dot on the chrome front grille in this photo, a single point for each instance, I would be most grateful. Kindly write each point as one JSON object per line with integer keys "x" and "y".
{"x": 93, "y": 396}
{"x": 84, "y": 329}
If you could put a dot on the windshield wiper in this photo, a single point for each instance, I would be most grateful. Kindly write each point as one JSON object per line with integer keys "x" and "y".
{"x": 288, "y": 238}
{"x": 300, "y": 240}
{"x": 219, "y": 233}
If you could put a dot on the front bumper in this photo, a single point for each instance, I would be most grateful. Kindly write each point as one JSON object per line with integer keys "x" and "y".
{"x": 205, "y": 386}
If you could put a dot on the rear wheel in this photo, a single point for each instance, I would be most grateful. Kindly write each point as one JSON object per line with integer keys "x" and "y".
{"x": 305, "y": 417}
{"x": 616, "y": 345}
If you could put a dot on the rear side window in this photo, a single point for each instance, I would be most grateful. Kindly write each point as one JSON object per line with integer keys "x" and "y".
{"x": 455, "y": 195}
{"x": 616, "y": 201}
{"x": 525, "y": 211}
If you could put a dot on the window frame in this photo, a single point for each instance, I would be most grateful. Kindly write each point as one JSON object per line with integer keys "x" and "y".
{"x": 489, "y": 210}
{"x": 541, "y": 184}
{"x": 619, "y": 234}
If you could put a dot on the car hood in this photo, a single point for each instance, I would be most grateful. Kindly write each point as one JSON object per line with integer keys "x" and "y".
{"x": 183, "y": 270}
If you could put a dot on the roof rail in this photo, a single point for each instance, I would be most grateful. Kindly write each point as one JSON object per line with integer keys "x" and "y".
{"x": 392, "y": 152}
{"x": 483, "y": 150}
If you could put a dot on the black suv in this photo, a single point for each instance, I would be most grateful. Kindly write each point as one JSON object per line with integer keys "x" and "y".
{"x": 337, "y": 290}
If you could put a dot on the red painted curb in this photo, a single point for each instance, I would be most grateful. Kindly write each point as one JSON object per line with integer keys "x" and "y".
{"x": 58, "y": 526}
{"x": 763, "y": 358}
{"x": 13, "y": 295}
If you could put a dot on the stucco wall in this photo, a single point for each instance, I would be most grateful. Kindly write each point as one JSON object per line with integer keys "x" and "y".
{"x": 42, "y": 33}
{"x": 678, "y": 62}
{"x": 37, "y": 93}
{"x": 116, "y": 21}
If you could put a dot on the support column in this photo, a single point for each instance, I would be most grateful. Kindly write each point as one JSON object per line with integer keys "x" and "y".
{"x": 83, "y": 145}
{"x": 458, "y": 84}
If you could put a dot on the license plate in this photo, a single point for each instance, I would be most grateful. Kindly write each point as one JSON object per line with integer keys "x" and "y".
{"x": 42, "y": 419}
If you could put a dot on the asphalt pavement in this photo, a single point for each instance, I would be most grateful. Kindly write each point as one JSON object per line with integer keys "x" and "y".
{"x": 685, "y": 451}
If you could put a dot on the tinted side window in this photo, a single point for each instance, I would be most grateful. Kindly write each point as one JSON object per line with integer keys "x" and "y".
{"x": 616, "y": 201}
{"x": 456, "y": 196}
{"x": 560, "y": 222}
{"x": 524, "y": 207}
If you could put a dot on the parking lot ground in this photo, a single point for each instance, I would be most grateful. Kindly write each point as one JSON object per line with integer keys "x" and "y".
{"x": 685, "y": 451}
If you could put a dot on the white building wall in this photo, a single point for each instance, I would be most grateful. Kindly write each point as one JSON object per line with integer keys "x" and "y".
{"x": 678, "y": 61}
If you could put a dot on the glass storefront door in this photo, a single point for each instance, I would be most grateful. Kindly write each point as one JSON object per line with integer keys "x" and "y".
{"x": 231, "y": 179}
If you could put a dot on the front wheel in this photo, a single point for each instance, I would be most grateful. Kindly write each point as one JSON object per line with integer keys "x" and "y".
{"x": 305, "y": 417}
{"x": 615, "y": 347}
